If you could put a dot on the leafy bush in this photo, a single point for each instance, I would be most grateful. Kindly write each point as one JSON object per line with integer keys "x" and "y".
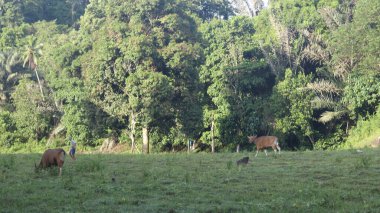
{"x": 33, "y": 114}
{"x": 362, "y": 94}
{"x": 7, "y": 128}
{"x": 331, "y": 142}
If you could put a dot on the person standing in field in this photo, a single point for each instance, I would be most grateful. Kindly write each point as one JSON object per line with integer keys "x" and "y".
{"x": 72, "y": 149}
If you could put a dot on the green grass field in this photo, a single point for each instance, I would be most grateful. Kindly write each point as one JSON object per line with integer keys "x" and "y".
{"x": 311, "y": 181}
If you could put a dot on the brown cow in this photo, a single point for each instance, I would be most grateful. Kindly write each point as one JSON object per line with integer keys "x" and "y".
{"x": 53, "y": 157}
{"x": 264, "y": 142}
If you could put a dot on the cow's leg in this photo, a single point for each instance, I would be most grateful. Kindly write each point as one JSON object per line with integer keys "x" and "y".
{"x": 60, "y": 171}
{"x": 257, "y": 152}
{"x": 274, "y": 149}
{"x": 266, "y": 154}
{"x": 277, "y": 146}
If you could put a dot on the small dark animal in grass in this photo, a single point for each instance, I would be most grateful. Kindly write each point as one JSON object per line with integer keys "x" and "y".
{"x": 243, "y": 161}
{"x": 51, "y": 158}
{"x": 265, "y": 142}
{"x": 113, "y": 177}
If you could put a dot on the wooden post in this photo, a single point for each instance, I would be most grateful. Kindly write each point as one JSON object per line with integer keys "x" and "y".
{"x": 145, "y": 140}
{"x": 132, "y": 131}
{"x": 212, "y": 137}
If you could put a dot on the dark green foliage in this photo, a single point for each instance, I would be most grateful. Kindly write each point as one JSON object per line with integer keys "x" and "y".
{"x": 362, "y": 94}
{"x": 149, "y": 94}
{"x": 63, "y": 11}
{"x": 306, "y": 71}
{"x": 235, "y": 79}
{"x": 208, "y": 9}
{"x": 10, "y": 13}
{"x": 80, "y": 122}
{"x": 332, "y": 141}
{"x": 173, "y": 140}
{"x": 148, "y": 48}
{"x": 33, "y": 115}
{"x": 11, "y": 37}
{"x": 296, "y": 14}
{"x": 7, "y": 129}
{"x": 292, "y": 107}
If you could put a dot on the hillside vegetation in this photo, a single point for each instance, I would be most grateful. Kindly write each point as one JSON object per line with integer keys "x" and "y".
{"x": 157, "y": 75}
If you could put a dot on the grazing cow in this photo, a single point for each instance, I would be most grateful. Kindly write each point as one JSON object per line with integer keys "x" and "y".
{"x": 52, "y": 157}
{"x": 243, "y": 161}
{"x": 265, "y": 142}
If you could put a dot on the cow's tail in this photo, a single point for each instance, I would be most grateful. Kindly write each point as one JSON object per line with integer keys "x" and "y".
{"x": 276, "y": 142}
{"x": 62, "y": 155}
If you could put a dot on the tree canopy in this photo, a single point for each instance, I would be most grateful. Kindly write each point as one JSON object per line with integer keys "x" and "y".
{"x": 159, "y": 74}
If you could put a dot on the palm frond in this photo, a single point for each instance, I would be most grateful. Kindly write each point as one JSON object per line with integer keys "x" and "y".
{"x": 328, "y": 116}
{"x": 315, "y": 54}
{"x": 331, "y": 17}
{"x": 12, "y": 60}
{"x": 26, "y": 60}
{"x": 316, "y": 49}
{"x": 324, "y": 87}
{"x": 2, "y": 57}
{"x": 323, "y": 102}
{"x": 34, "y": 59}
{"x": 12, "y": 76}
{"x": 341, "y": 68}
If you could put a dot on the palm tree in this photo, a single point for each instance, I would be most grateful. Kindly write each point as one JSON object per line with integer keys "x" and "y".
{"x": 32, "y": 51}
{"x": 329, "y": 98}
{"x": 329, "y": 90}
{"x": 8, "y": 60}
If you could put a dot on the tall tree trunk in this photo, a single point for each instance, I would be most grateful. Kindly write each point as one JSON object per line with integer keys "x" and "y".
{"x": 311, "y": 141}
{"x": 145, "y": 140}
{"x": 212, "y": 137}
{"x": 250, "y": 10}
{"x": 132, "y": 126}
{"x": 72, "y": 12}
{"x": 39, "y": 84}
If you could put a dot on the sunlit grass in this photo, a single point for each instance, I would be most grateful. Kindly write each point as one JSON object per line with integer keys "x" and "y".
{"x": 345, "y": 181}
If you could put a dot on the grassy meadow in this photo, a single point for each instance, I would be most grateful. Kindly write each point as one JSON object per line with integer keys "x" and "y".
{"x": 310, "y": 181}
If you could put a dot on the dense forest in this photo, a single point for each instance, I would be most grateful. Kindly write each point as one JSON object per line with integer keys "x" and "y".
{"x": 158, "y": 74}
